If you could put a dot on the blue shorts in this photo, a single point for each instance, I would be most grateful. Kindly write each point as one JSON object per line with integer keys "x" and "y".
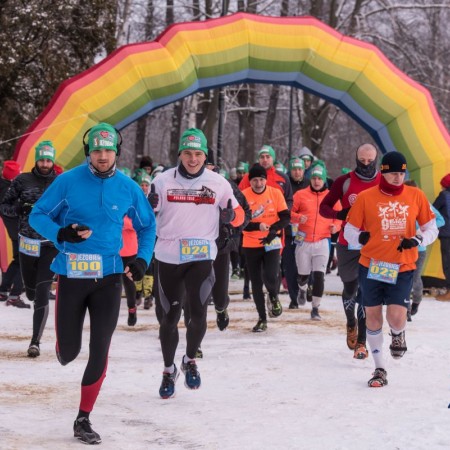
{"x": 374, "y": 292}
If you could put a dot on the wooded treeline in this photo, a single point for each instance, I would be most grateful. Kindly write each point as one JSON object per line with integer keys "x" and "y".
{"x": 42, "y": 43}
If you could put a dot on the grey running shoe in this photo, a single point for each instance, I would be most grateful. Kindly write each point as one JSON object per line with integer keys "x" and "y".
{"x": 315, "y": 314}
{"x": 301, "y": 297}
{"x": 83, "y": 431}
{"x": 34, "y": 350}
{"x": 398, "y": 347}
{"x": 148, "y": 302}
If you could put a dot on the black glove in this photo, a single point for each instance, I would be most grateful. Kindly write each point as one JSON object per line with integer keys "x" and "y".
{"x": 26, "y": 208}
{"x": 69, "y": 234}
{"x": 406, "y": 243}
{"x": 137, "y": 268}
{"x": 153, "y": 197}
{"x": 227, "y": 214}
{"x": 269, "y": 238}
{"x": 364, "y": 237}
{"x": 342, "y": 215}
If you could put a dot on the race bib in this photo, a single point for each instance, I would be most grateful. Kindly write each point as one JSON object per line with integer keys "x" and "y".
{"x": 84, "y": 265}
{"x": 383, "y": 271}
{"x": 354, "y": 247}
{"x": 30, "y": 247}
{"x": 300, "y": 238}
{"x": 194, "y": 250}
{"x": 274, "y": 245}
{"x": 294, "y": 228}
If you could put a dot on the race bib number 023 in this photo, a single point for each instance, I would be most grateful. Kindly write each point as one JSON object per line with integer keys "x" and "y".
{"x": 84, "y": 265}
{"x": 194, "y": 250}
{"x": 383, "y": 271}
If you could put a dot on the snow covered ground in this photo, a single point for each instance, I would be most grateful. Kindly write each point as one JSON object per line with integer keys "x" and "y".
{"x": 294, "y": 387}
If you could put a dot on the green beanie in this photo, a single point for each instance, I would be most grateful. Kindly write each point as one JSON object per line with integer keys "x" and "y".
{"x": 280, "y": 167}
{"x": 267, "y": 149}
{"x": 242, "y": 167}
{"x": 345, "y": 170}
{"x": 320, "y": 171}
{"x": 224, "y": 173}
{"x": 144, "y": 179}
{"x": 102, "y": 136}
{"x": 296, "y": 163}
{"x": 193, "y": 139}
{"x": 45, "y": 150}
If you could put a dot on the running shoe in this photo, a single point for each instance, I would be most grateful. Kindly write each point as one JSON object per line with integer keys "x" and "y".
{"x": 414, "y": 308}
{"x": 293, "y": 305}
{"x": 17, "y": 302}
{"x": 34, "y": 350}
{"x": 301, "y": 297}
{"x": 274, "y": 306}
{"x": 192, "y": 378}
{"x": 148, "y": 302}
{"x": 260, "y": 326}
{"x": 235, "y": 274}
{"x": 378, "y": 379}
{"x": 352, "y": 335}
{"x": 361, "y": 351}
{"x": 167, "y": 388}
{"x": 3, "y": 296}
{"x": 83, "y": 431}
{"x": 398, "y": 347}
{"x": 315, "y": 314}
{"x": 132, "y": 317}
{"x": 222, "y": 319}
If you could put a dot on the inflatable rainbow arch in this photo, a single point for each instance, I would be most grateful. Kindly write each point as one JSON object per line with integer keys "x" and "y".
{"x": 296, "y": 51}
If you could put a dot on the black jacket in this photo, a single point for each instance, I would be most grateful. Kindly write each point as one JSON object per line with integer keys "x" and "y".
{"x": 24, "y": 192}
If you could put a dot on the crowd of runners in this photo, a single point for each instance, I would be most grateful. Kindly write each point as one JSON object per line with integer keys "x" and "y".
{"x": 173, "y": 237}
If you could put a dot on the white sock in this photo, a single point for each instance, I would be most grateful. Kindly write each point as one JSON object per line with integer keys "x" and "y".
{"x": 397, "y": 332}
{"x": 316, "y": 301}
{"x": 375, "y": 341}
{"x": 186, "y": 359}
{"x": 170, "y": 369}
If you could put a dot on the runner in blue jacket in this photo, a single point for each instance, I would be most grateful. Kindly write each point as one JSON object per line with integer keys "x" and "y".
{"x": 82, "y": 213}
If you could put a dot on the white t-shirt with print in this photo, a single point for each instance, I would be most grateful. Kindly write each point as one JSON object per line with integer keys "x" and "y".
{"x": 188, "y": 212}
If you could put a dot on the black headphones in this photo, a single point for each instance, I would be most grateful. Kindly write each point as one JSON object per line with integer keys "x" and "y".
{"x": 86, "y": 146}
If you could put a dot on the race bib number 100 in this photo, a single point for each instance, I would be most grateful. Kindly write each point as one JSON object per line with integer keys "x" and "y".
{"x": 84, "y": 265}
{"x": 383, "y": 271}
{"x": 194, "y": 250}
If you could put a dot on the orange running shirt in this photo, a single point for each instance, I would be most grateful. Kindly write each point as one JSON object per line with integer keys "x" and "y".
{"x": 389, "y": 219}
{"x": 265, "y": 208}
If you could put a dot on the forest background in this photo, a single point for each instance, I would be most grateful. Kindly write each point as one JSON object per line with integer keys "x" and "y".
{"x": 44, "y": 42}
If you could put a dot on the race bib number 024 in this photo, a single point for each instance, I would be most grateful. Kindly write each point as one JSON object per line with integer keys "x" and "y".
{"x": 194, "y": 250}
{"x": 383, "y": 271}
{"x": 84, "y": 265}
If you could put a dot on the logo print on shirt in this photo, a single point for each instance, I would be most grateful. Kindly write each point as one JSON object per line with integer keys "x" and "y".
{"x": 393, "y": 217}
{"x": 115, "y": 207}
{"x": 203, "y": 196}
